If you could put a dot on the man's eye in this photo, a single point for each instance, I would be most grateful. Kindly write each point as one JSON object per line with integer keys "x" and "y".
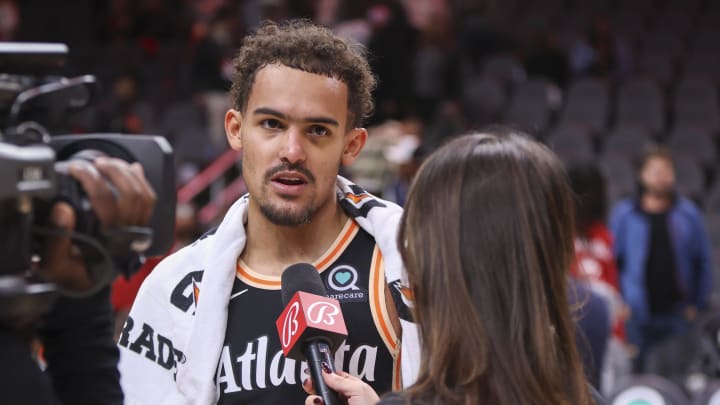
{"x": 270, "y": 124}
{"x": 318, "y": 130}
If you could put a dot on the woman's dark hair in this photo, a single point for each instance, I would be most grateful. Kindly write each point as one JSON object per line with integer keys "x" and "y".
{"x": 487, "y": 238}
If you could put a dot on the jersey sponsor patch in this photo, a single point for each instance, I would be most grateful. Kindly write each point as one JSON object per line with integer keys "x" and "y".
{"x": 342, "y": 284}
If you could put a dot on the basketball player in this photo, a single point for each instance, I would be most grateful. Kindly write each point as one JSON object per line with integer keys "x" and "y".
{"x": 202, "y": 329}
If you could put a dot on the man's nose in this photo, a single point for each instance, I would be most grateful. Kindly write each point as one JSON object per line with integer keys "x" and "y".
{"x": 293, "y": 150}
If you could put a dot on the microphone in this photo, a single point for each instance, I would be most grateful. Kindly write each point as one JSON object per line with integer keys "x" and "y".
{"x": 311, "y": 327}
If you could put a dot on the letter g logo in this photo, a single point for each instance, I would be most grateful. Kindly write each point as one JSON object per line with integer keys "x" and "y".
{"x": 290, "y": 325}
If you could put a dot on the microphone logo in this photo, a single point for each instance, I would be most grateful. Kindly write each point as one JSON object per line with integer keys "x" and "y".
{"x": 290, "y": 326}
{"x": 322, "y": 312}
{"x": 308, "y": 316}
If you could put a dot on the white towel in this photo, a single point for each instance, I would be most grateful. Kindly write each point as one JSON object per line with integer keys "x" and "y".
{"x": 200, "y": 337}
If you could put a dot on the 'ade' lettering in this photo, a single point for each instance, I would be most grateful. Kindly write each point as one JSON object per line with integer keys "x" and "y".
{"x": 145, "y": 340}
{"x": 155, "y": 346}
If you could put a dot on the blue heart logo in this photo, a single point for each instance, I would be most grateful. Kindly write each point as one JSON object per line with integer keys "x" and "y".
{"x": 342, "y": 277}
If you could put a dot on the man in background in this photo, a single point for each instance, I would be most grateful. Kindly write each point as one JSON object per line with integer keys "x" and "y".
{"x": 663, "y": 256}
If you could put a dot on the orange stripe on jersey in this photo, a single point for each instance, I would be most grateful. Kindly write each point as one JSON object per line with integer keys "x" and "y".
{"x": 257, "y": 280}
{"x": 397, "y": 373}
{"x": 346, "y": 236}
{"x": 377, "y": 302}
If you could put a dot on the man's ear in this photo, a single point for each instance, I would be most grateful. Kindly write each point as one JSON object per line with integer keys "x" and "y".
{"x": 233, "y": 125}
{"x": 356, "y": 139}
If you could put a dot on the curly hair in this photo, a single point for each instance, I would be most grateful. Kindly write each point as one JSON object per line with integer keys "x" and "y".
{"x": 302, "y": 45}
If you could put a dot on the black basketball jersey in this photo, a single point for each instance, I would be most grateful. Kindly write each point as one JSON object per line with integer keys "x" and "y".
{"x": 252, "y": 368}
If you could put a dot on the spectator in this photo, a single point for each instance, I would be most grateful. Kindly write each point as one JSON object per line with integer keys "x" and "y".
{"x": 546, "y": 58}
{"x": 9, "y": 20}
{"x": 212, "y": 69}
{"x": 593, "y": 241}
{"x": 435, "y": 69}
{"x": 392, "y": 45}
{"x": 116, "y": 113}
{"x": 410, "y": 157}
{"x": 595, "y": 265}
{"x": 594, "y": 50}
{"x": 663, "y": 254}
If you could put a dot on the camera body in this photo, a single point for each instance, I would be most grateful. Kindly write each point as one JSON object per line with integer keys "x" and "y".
{"x": 33, "y": 163}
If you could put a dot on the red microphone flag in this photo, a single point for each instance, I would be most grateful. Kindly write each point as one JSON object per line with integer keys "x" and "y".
{"x": 306, "y": 317}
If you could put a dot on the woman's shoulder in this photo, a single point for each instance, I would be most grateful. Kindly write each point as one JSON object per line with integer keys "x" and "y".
{"x": 399, "y": 398}
{"x": 394, "y": 398}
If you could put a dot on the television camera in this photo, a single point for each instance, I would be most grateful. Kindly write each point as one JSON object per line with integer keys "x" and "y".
{"x": 34, "y": 158}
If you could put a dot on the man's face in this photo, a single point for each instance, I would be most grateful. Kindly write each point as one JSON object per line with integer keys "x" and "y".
{"x": 658, "y": 176}
{"x": 293, "y": 136}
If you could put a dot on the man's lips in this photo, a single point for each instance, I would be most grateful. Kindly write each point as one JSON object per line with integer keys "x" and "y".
{"x": 289, "y": 178}
{"x": 288, "y": 173}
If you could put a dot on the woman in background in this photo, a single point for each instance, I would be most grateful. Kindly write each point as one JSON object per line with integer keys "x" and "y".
{"x": 487, "y": 240}
{"x": 595, "y": 261}
{"x": 605, "y": 355}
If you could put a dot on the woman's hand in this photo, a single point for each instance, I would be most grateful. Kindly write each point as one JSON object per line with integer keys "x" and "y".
{"x": 352, "y": 390}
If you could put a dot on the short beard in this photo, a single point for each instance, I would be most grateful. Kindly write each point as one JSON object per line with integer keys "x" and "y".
{"x": 286, "y": 217}
{"x": 660, "y": 193}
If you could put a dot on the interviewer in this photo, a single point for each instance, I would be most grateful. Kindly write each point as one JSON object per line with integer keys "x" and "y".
{"x": 487, "y": 238}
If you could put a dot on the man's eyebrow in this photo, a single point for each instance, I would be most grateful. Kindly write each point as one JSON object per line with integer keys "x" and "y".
{"x": 269, "y": 111}
{"x": 318, "y": 120}
{"x": 322, "y": 120}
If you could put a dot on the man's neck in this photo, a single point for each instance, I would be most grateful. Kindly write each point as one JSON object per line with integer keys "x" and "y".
{"x": 270, "y": 248}
{"x": 654, "y": 203}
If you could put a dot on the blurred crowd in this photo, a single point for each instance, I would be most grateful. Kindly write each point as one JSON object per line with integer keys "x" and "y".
{"x": 604, "y": 83}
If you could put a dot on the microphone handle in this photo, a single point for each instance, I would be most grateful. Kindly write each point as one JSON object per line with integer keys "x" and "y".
{"x": 317, "y": 352}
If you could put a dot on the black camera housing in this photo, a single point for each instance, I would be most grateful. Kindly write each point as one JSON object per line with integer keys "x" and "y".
{"x": 33, "y": 98}
{"x": 155, "y": 155}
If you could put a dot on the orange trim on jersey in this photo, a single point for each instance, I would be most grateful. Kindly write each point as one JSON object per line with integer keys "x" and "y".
{"x": 377, "y": 302}
{"x": 397, "y": 373}
{"x": 252, "y": 278}
{"x": 335, "y": 251}
{"x": 255, "y": 279}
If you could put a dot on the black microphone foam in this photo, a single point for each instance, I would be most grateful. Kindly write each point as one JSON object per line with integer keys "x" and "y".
{"x": 300, "y": 277}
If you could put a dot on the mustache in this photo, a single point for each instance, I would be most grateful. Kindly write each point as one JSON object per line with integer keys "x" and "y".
{"x": 290, "y": 167}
